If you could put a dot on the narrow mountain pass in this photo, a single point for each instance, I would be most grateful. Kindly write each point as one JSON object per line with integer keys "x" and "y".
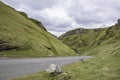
{"x": 10, "y": 68}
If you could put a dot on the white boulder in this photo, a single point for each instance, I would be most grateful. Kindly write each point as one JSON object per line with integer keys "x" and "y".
{"x": 54, "y": 69}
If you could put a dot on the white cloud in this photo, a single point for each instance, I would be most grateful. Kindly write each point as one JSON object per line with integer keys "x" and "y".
{"x": 59, "y": 16}
{"x": 56, "y": 14}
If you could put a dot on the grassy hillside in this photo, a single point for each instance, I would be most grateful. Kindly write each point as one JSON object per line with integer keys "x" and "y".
{"x": 104, "y": 66}
{"x": 88, "y": 39}
{"x": 21, "y": 36}
{"x": 102, "y": 44}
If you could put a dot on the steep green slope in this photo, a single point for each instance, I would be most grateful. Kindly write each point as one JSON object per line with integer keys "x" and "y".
{"x": 21, "y": 36}
{"x": 86, "y": 39}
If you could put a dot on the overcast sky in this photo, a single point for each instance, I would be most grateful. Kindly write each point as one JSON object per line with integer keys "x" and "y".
{"x": 59, "y": 16}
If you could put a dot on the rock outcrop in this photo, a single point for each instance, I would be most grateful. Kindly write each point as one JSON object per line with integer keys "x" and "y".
{"x": 118, "y": 22}
{"x": 75, "y": 31}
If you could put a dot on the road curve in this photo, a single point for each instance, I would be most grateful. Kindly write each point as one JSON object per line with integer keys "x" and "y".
{"x": 10, "y": 68}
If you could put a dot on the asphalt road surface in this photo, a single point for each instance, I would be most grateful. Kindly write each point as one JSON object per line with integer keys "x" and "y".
{"x": 10, "y": 68}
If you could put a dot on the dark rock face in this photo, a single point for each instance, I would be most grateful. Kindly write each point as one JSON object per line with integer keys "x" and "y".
{"x": 8, "y": 47}
{"x": 38, "y": 23}
{"x": 4, "y": 46}
{"x": 118, "y": 22}
{"x": 78, "y": 52}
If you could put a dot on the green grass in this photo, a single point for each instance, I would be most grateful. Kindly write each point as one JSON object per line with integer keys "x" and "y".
{"x": 104, "y": 66}
{"x": 45, "y": 76}
{"x": 21, "y": 36}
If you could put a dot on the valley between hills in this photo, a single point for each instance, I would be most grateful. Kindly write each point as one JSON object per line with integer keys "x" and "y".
{"x": 24, "y": 37}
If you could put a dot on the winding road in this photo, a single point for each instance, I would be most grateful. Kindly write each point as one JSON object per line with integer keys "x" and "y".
{"x": 10, "y": 68}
